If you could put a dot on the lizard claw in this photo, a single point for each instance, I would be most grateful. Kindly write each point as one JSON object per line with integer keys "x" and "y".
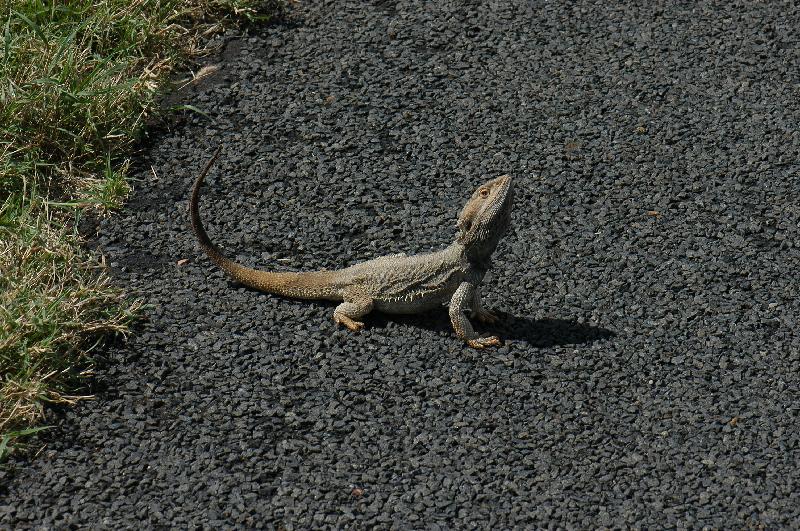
{"x": 353, "y": 326}
{"x": 485, "y": 316}
{"x": 483, "y": 342}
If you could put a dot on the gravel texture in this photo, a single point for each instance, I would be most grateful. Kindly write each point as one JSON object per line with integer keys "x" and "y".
{"x": 650, "y": 375}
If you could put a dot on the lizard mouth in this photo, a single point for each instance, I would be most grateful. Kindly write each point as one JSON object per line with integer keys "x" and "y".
{"x": 498, "y": 212}
{"x": 505, "y": 194}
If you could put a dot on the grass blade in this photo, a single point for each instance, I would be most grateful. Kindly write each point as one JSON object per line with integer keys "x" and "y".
{"x": 7, "y": 40}
{"x": 13, "y": 436}
{"x": 188, "y": 107}
{"x": 34, "y": 26}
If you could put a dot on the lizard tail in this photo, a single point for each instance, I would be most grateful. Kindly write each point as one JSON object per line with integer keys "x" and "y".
{"x": 305, "y": 285}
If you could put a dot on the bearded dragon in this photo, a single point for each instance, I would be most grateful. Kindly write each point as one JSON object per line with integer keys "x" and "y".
{"x": 398, "y": 283}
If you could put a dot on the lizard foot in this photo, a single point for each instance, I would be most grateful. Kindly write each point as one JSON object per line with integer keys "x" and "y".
{"x": 353, "y": 326}
{"x": 483, "y": 342}
{"x": 485, "y": 316}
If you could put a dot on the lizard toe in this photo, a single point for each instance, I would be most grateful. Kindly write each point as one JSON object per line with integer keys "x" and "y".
{"x": 353, "y": 326}
{"x": 484, "y": 342}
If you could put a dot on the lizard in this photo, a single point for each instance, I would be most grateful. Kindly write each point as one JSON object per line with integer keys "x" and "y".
{"x": 398, "y": 283}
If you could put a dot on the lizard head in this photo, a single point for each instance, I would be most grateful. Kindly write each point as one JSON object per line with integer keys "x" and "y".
{"x": 486, "y": 217}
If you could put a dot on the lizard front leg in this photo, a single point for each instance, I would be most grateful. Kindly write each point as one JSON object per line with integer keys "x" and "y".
{"x": 479, "y": 312}
{"x": 348, "y": 312}
{"x": 462, "y": 300}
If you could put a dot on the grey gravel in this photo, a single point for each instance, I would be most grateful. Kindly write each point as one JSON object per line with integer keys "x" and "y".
{"x": 650, "y": 376}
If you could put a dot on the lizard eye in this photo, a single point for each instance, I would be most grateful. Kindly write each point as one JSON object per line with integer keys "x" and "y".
{"x": 484, "y": 192}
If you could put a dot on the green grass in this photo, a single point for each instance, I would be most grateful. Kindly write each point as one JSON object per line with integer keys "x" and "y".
{"x": 79, "y": 81}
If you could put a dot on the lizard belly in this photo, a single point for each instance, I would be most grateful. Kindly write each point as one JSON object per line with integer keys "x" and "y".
{"x": 406, "y": 306}
{"x": 415, "y": 302}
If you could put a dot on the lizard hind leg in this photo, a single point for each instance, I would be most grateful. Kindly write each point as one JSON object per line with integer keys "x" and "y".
{"x": 348, "y": 312}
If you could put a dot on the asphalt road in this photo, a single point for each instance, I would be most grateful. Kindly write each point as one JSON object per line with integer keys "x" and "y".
{"x": 650, "y": 375}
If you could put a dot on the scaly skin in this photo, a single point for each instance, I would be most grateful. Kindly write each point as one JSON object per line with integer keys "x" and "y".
{"x": 396, "y": 283}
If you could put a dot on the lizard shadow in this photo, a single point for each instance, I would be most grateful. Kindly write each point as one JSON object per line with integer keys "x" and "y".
{"x": 539, "y": 333}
